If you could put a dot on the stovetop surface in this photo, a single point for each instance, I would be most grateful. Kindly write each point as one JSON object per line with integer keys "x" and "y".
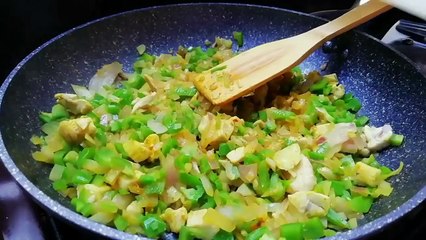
{"x": 21, "y": 218}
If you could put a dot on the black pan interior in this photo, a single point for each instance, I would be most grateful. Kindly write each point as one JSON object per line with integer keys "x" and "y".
{"x": 390, "y": 88}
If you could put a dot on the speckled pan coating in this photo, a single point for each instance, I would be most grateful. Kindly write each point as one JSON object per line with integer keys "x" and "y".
{"x": 390, "y": 88}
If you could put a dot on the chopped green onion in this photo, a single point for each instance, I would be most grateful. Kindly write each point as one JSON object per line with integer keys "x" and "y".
{"x": 361, "y": 121}
{"x": 257, "y": 234}
{"x": 313, "y": 228}
{"x": 186, "y": 92}
{"x": 238, "y": 36}
{"x": 396, "y": 140}
{"x": 336, "y": 219}
{"x": 153, "y": 225}
{"x": 361, "y": 204}
{"x": 292, "y": 231}
{"x": 189, "y": 179}
{"x": 168, "y": 145}
{"x": 224, "y": 149}
{"x": 120, "y": 223}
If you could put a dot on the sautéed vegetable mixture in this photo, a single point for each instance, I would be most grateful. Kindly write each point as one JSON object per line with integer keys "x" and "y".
{"x": 145, "y": 153}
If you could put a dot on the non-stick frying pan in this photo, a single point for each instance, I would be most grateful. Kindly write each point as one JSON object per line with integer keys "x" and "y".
{"x": 389, "y": 86}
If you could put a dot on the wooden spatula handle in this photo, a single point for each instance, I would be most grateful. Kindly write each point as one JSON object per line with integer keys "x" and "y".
{"x": 351, "y": 19}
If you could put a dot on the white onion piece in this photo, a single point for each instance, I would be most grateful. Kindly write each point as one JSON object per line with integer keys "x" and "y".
{"x": 104, "y": 77}
{"x": 207, "y": 185}
{"x": 248, "y": 172}
{"x": 82, "y": 91}
{"x": 156, "y": 126}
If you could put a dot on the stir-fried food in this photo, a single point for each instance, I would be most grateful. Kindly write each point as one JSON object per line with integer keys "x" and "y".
{"x": 146, "y": 153}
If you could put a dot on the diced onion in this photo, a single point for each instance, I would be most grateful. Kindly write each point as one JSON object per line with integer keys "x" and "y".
{"x": 82, "y": 91}
{"x": 156, "y": 126}
{"x": 56, "y": 172}
{"x": 104, "y": 77}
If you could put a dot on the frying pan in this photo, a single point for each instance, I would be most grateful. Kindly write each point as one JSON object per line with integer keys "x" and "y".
{"x": 389, "y": 86}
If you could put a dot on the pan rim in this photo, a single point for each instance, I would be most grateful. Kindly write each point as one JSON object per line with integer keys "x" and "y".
{"x": 73, "y": 217}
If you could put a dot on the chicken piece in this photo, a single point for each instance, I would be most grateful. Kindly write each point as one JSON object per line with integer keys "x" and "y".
{"x": 175, "y": 218}
{"x": 367, "y": 174}
{"x": 304, "y": 179}
{"x": 74, "y": 130}
{"x": 311, "y": 203}
{"x": 377, "y": 138}
{"x": 73, "y": 103}
{"x": 288, "y": 157}
{"x": 214, "y": 130}
{"x": 140, "y": 103}
{"x": 236, "y": 155}
{"x": 137, "y": 151}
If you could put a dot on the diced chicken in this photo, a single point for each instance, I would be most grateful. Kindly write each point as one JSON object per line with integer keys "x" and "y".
{"x": 140, "y": 103}
{"x": 288, "y": 157}
{"x": 311, "y": 203}
{"x": 175, "y": 218}
{"x": 377, "y": 137}
{"x": 214, "y": 130}
{"x": 367, "y": 174}
{"x": 304, "y": 179}
{"x": 73, "y": 103}
{"x": 236, "y": 155}
{"x": 75, "y": 130}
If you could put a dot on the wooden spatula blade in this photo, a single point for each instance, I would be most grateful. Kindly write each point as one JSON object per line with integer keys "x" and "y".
{"x": 245, "y": 72}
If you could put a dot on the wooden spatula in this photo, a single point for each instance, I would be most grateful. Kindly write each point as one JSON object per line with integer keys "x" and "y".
{"x": 245, "y": 72}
